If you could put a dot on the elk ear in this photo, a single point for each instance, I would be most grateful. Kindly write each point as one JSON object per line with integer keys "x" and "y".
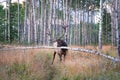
{"x": 59, "y": 40}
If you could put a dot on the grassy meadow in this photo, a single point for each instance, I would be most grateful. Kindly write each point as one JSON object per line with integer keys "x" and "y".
{"x": 35, "y": 64}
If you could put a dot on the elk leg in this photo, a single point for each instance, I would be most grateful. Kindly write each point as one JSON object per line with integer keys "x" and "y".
{"x": 54, "y": 57}
{"x": 64, "y": 56}
{"x": 60, "y": 56}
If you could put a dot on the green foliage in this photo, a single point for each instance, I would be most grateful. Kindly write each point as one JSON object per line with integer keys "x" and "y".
{"x": 14, "y": 20}
{"x": 106, "y": 27}
{"x": 83, "y": 4}
{"x": 93, "y": 33}
{"x": 59, "y": 14}
{"x": 20, "y": 71}
{"x": 2, "y": 24}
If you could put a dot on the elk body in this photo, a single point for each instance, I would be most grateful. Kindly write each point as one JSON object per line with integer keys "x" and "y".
{"x": 60, "y": 52}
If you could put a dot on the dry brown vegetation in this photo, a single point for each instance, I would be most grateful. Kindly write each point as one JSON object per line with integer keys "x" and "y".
{"x": 35, "y": 64}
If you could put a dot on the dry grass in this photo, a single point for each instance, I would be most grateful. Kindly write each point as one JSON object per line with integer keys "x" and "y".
{"x": 78, "y": 65}
{"x": 107, "y": 49}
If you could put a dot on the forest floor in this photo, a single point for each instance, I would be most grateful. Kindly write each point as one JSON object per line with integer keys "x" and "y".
{"x": 35, "y": 64}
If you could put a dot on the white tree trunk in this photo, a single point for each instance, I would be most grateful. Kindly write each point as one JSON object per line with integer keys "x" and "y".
{"x": 83, "y": 26}
{"x": 9, "y": 3}
{"x": 66, "y": 21}
{"x": 113, "y": 23}
{"x": 34, "y": 24}
{"x": 6, "y": 12}
{"x": 18, "y": 21}
{"x": 25, "y": 22}
{"x": 49, "y": 23}
{"x": 116, "y": 20}
{"x": 45, "y": 20}
{"x": 100, "y": 26}
{"x": 41, "y": 24}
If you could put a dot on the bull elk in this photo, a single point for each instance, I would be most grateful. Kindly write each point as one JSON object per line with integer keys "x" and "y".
{"x": 60, "y": 51}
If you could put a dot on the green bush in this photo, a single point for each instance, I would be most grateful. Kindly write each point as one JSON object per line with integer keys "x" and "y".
{"x": 19, "y": 71}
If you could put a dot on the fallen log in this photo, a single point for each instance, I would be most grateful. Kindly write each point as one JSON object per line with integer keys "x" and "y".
{"x": 74, "y": 49}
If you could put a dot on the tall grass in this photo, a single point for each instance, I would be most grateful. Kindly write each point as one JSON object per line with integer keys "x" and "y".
{"x": 36, "y": 64}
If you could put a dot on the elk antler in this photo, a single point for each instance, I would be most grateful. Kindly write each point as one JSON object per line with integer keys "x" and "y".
{"x": 64, "y": 28}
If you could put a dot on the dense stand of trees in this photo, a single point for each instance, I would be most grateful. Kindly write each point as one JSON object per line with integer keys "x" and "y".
{"x": 40, "y": 21}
